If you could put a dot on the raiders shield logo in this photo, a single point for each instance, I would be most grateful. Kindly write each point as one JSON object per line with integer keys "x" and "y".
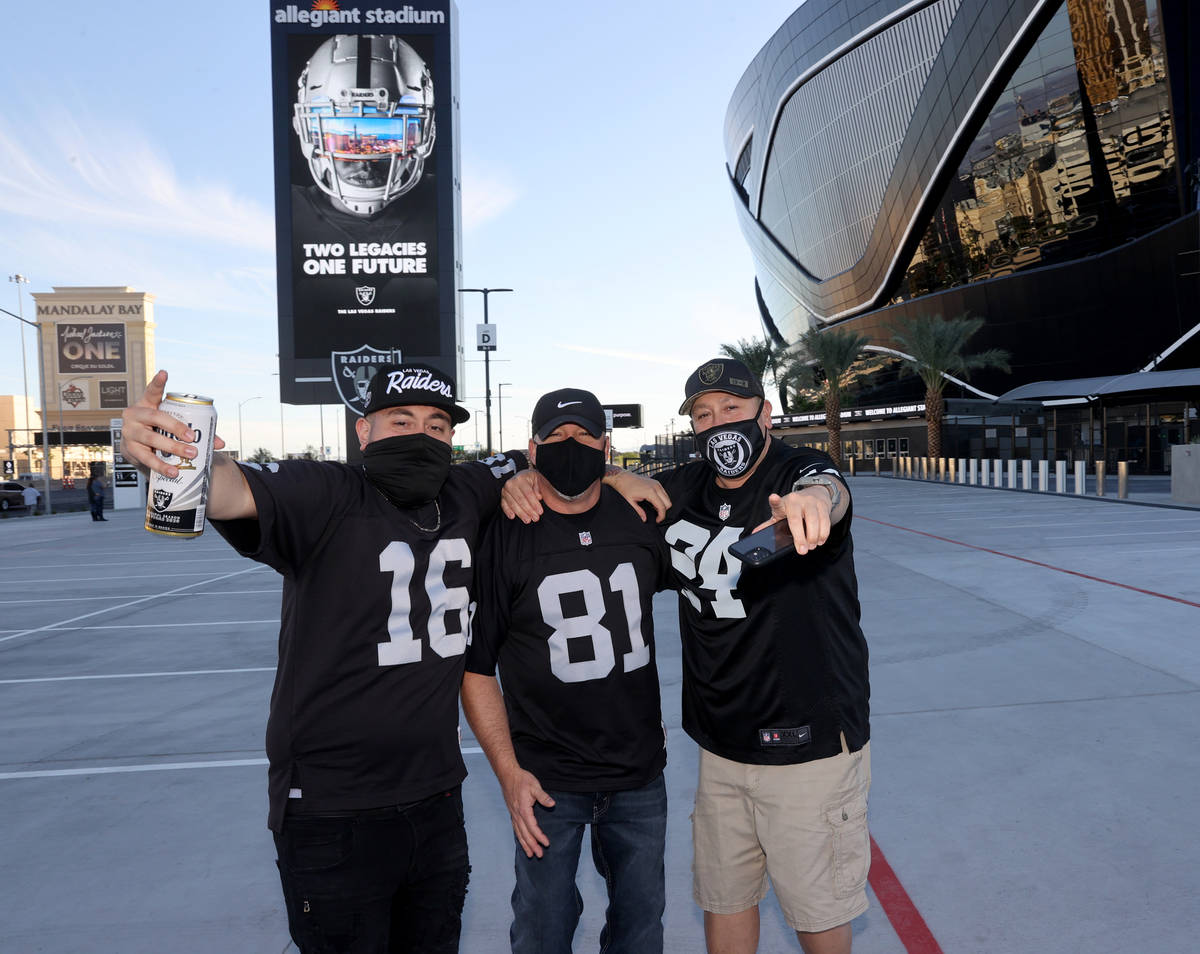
{"x": 710, "y": 373}
{"x": 365, "y": 294}
{"x": 353, "y": 370}
{"x": 162, "y": 499}
{"x": 730, "y": 452}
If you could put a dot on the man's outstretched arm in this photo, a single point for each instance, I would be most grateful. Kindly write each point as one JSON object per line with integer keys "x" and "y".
{"x": 229, "y": 496}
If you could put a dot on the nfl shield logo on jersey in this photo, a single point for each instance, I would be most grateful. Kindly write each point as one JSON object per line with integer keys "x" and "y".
{"x": 723, "y": 511}
{"x": 585, "y": 538}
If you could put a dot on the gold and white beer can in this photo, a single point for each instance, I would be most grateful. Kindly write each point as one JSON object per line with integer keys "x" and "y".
{"x": 175, "y": 505}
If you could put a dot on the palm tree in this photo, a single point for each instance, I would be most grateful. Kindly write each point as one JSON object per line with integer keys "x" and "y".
{"x": 759, "y": 355}
{"x": 933, "y": 346}
{"x": 834, "y": 350}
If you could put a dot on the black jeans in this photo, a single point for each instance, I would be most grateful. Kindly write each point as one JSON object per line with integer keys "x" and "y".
{"x": 384, "y": 881}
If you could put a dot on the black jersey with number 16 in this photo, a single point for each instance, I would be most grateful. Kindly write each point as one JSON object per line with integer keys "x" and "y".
{"x": 364, "y": 712}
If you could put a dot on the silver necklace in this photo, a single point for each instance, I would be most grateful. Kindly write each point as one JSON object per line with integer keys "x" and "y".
{"x": 437, "y": 525}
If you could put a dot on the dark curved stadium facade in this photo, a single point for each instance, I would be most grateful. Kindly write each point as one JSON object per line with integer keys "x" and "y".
{"x": 1030, "y": 162}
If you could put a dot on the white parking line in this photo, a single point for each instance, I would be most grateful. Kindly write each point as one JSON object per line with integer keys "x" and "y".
{"x": 109, "y": 609}
{"x": 136, "y": 675}
{"x": 112, "y": 579}
{"x": 232, "y": 558}
{"x": 125, "y": 596}
{"x": 160, "y": 767}
{"x": 173, "y": 625}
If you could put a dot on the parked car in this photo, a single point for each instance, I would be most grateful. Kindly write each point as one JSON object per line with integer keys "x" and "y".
{"x": 12, "y": 495}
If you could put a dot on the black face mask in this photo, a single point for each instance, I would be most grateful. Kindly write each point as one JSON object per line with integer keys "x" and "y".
{"x": 732, "y": 449}
{"x": 571, "y": 467}
{"x": 409, "y": 470}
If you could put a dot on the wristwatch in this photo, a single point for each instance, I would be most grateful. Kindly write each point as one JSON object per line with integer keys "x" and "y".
{"x": 820, "y": 480}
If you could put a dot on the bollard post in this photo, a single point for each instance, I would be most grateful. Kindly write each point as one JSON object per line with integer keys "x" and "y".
{"x": 877, "y": 466}
{"x": 1026, "y": 474}
{"x": 972, "y": 465}
{"x": 1060, "y": 476}
{"x": 1043, "y": 476}
{"x": 962, "y": 470}
{"x": 941, "y": 468}
{"x": 998, "y": 474}
{"x": 1012, "y": 475}
{"x": 851, "y": 460}
{"x": 1122, "y": 479}
{"x": 985, "y": 467}
{"x": 1080, "y": 476}
{"x": 1099, "y": 478}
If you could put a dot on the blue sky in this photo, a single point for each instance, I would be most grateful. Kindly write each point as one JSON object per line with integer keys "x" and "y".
{"x": 136, "y": 137}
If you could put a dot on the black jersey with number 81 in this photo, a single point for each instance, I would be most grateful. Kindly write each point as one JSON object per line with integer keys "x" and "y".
{"x": 565, "y": 610}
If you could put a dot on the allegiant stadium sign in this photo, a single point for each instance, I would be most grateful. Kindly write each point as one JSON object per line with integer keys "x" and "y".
{"x": 319, "y": 18}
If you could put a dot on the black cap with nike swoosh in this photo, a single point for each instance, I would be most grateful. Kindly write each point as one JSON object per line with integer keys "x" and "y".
{"x": 568, "y": 406}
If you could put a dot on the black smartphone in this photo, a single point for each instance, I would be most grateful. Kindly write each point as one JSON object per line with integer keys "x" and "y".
{"x": 764, "y": 545}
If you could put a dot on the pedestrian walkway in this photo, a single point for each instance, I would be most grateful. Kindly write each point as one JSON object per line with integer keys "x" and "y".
{"x": 1036, "y": 683}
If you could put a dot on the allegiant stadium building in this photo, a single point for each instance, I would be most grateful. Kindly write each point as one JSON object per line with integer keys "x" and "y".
{"x": 1029, "y": 162}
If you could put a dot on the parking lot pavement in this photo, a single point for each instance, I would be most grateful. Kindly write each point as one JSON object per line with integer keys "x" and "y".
{"x": 1035, "y": 673}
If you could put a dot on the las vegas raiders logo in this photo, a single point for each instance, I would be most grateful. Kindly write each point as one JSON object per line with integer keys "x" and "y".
{"x": 730, "y": 453}
{"x": 353, "y": 370}
{"x": 162, "y": 500}
{"x": 365, "y": 294}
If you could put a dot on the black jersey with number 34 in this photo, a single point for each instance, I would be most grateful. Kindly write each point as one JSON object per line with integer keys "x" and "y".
{"x": 773, "y": 651}
{"x": 374, "y": 623}
{"x": 565, "y": 609}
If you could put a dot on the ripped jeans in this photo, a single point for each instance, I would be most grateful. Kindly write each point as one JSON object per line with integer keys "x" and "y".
{"x": 384, "y": 881}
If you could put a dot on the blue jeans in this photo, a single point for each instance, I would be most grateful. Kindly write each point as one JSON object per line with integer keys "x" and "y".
{"x": 629, "y": 832}
{"x": 383, "y": 881}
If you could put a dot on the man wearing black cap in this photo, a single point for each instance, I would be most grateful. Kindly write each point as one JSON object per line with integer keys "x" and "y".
{"x": 362, "y": 738}
{"x": 576, "y": 739}
{"x": 775, "y": 687}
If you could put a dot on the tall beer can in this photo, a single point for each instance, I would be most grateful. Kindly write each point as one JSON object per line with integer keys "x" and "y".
{"x": 175, "y": 505}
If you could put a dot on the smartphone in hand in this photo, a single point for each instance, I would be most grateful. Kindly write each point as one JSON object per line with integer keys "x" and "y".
{"x": 765, "y": 545}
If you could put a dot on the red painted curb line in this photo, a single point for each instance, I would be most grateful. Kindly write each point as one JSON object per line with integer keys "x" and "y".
{"x": 1046, "y": 566}
{"x": 914, "y": 933}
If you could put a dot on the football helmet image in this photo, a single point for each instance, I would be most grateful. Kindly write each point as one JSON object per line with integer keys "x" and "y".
{"x": 364, "y": 115}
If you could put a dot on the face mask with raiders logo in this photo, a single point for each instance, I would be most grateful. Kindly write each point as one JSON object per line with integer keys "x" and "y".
{"x": 731, "y": 449}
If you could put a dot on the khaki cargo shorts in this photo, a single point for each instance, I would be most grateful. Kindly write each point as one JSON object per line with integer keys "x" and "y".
{"x": 804, "y": 826}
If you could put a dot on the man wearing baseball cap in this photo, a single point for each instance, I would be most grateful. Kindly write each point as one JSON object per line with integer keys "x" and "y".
{"x": 775, "y": 685}
{"x": 576, "y": 738}
{"x": 362, "y": 739}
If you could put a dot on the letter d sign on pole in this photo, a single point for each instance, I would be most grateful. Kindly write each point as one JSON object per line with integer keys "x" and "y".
{"x": 485, "y": 337}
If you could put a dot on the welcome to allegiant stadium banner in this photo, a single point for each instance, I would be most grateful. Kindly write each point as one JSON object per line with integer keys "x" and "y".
{"x": 366, "y": 194}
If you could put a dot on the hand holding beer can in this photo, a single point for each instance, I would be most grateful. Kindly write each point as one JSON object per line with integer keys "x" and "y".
{"x": 175, "y": 505}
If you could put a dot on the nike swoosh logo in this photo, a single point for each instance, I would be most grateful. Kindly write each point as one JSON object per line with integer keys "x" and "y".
{"x": 563, "y": 404}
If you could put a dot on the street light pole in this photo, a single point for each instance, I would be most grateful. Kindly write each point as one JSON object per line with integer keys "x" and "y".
{"x": 42, "y": 388}
{"x": 487, "y": 375}
{"x": 241, "y": 444}
{"x": 500, "y": 407}
{"x": 20, "y": 280}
